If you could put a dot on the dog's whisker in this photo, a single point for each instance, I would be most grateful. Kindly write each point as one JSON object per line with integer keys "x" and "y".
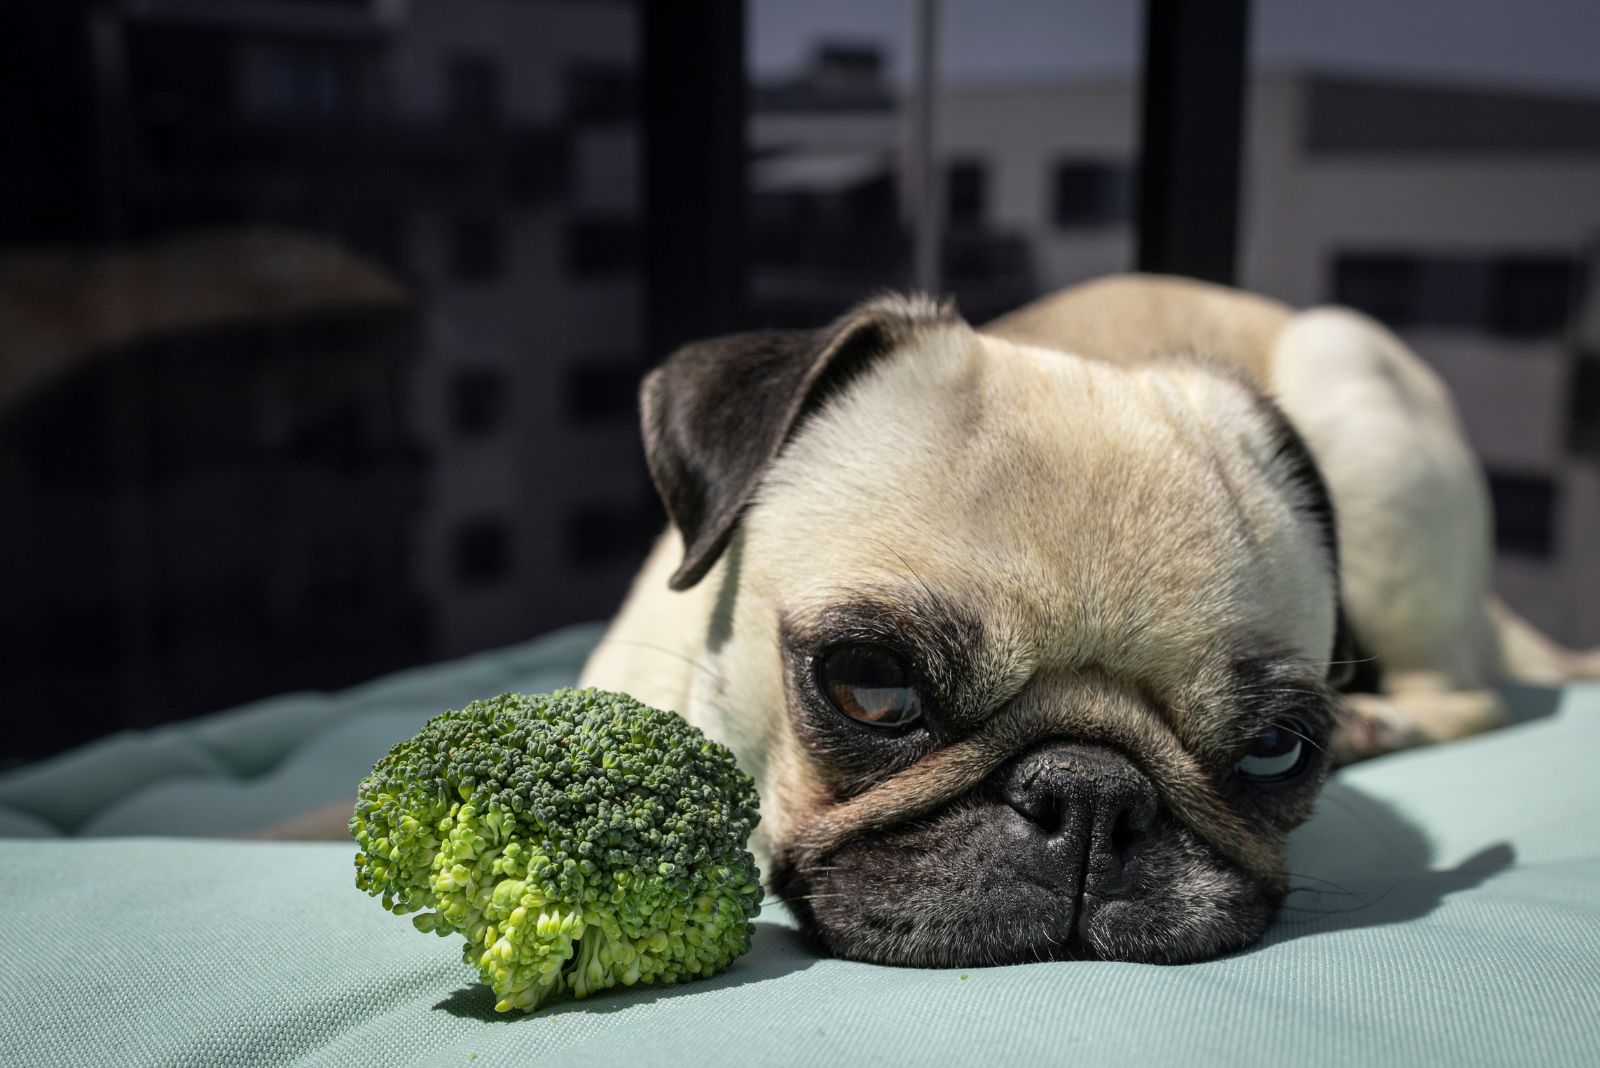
{"x": 1286, "y": 873}
{"x": 1344, "y": 663}
{"x": 1312, "y": 742}
{"x": 907, "y": 565}
{"x": 691, "y": 661}
{"x": 1340, "y": 911}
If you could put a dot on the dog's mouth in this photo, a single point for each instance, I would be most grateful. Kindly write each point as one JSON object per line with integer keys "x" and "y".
{"x": 971, "y": 885}
{"x": 1037, "y": 924}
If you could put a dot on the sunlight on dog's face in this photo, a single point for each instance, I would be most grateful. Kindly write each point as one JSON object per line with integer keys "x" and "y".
{"x": 1040, "y": 648}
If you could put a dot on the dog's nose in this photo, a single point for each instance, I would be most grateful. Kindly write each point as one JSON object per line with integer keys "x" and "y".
{"x": 1089, "y": 804}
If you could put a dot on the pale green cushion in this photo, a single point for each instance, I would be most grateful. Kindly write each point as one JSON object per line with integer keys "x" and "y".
{"x": 246, "y": 768}
{"x": 1453, "y": 918}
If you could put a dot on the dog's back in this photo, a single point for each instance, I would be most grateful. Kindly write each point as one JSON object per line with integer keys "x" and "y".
{"x": 1133, "y": 317}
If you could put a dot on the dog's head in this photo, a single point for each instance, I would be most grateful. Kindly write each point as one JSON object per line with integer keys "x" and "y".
{"x": 1028, "y": 654}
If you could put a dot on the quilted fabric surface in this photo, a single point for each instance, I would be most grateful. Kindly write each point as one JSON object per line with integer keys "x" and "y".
{"x": 1448, "y": 912}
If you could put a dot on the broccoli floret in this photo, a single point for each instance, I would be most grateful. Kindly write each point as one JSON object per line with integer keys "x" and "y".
{"x": 577, "y": 839}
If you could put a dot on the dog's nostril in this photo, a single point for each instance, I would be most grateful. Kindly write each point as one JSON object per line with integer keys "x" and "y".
{"x": 1038, "y": 805}
{"x": 1132, "y": 822}
{"x": 1088, "y": 794}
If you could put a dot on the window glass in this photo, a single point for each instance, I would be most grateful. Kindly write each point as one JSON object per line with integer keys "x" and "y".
{"x": 1434, "y": 165}
{"x": 966, "y": 187}
{"x": 1524, "y": 514}
{"x": 1034, "y": 141}
{"x": 299, "y": 286}
{"x": 477, "y": 249}
{"x": 479, "y": 399}
{"x": 475, "y": 89}
{"x": 601, "y": 387}
{"x": 1093, "y": 193}
{"x": 481, "y": 549}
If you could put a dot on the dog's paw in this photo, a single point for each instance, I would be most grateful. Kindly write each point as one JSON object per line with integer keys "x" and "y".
{"x": 1373, "y": 725}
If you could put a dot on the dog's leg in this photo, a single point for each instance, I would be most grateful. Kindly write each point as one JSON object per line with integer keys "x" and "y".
{"x": 1418, "y": 709}
{"x": 1413, "y": 520}
{"x": 1528, "y": 656}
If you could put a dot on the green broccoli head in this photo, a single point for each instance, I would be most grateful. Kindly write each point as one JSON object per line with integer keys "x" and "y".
{"x": 578, "y": 840}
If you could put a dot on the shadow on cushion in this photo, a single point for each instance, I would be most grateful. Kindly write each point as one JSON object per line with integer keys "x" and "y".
{"x": 1362, "y": 863}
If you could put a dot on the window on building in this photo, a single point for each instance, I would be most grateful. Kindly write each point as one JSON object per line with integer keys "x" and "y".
{"x": 1508, "y": 296}
{"x": 1533, "y": 296}
{"x": 603, "y": 533}
{"x": 478, "y": 400}
{"x": 1450, "y": 292}
{"x": 967, "y": 188}
{"x": 1381, "y": 286}
{"x": 476, "y": 90}
{"x": 307, "y": 82}
{"x": 339, "y": 574}
{"x": 1524, "y": 513}
{"x": 1583, "y": 408}
{"x": 480, "y": 551}
{"x": 379, "y": 233}
{"x": 477, "y": 249}
{"x": 601, "y": 388}
{"x": 1092, "y": 193}
{"x": 598, "y": 247}
{"x": 600, "y": 92}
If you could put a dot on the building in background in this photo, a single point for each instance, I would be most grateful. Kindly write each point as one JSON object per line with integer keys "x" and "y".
{"x": 281, "y": 487}
{"x": 828, "y": 189}
{"x": 321, "y": 320}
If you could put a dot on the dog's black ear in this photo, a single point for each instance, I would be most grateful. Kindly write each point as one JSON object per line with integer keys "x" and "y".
{"x": 715, "y": 414}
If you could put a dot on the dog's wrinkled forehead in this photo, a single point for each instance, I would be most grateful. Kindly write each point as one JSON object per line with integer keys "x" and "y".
{"x": 1140, "y": 515}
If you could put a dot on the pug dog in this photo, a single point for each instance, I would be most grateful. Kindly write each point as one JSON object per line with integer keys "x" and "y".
{"x": 1033, "y": 635}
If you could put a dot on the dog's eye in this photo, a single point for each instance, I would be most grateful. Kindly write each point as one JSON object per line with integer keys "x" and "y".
{"x": 1278, "y": 754}
{"x": 870, "y": 685}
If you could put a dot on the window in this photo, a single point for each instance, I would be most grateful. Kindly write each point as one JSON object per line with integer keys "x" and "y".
{"x": 477, "y": 249}
{"x": 598, "y": 92}
{"x": 602, "y": 246}
{"x": 601, "y": 388}
{"x": 1508, "y": 296}
{"x": 307, "y": 82}
{"x": 1583, "y": 408}
{"x": 1524, "y": 514}
{"x": 475, "y": 88}
{"x": 340, "y": 574}
{"x": 478, "y": 401}
{"x": 1378, "y": 285}
{"x": 1092, "y": 193}
{"x": 1533, "y": 295}
{"x": 610, "y": 533}
{"x": 480, "y": 551}
{"x": 967, "y": 191}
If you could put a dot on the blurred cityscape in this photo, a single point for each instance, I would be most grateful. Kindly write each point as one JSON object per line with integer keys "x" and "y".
{"x": 319, "y": 333}
{"x": 321, "y": 320}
